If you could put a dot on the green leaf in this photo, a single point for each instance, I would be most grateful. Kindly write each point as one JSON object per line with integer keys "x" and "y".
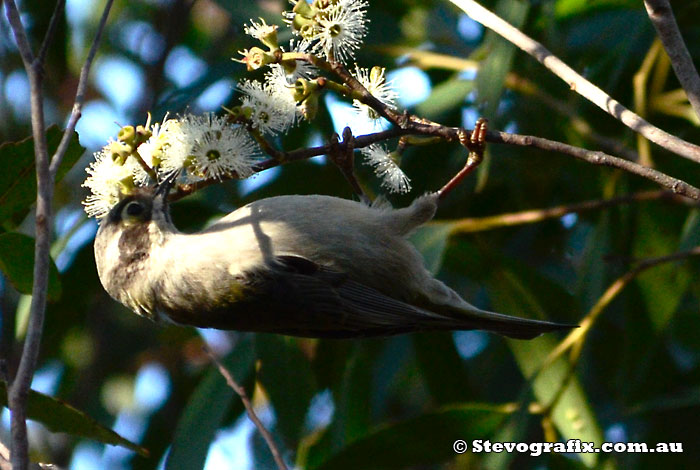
{"x": 286, "y": 375}
{"x": 423, "y": 440}
{"x": 572, "y": 414}
{"x": 59, "y": 416}
{"x": 493, "y": 70}
{"x": 207, "y": 408}
{"x": 662, "y": 287}
{"x": 431, "y": 241}
{"x": 490, "y": 80}
{"x": 569, "y": 8}
{"x": 17, "y": 263}
{"x": 18, "y": 180}
{"x": 445, "y": 97}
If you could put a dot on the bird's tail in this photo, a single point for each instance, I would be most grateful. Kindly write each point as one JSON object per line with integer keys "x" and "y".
{"x": 506, "y": 325}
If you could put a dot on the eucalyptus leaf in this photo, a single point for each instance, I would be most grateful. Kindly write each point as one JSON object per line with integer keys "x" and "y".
{"x": 18, "y": 176}
{"x": 59, "y": 416}
{"x": 17, "y": 264}
{"x": 422, "y": 440}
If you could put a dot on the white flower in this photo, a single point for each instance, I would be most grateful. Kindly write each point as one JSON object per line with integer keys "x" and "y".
{"x": 273, "y": 109}
{"x": 341, "y": 28}
{"x": 208, "y": 147}
{"x": 393, "y": 178}
{"x": 174, "y": 143}
{"x": 105, "y": 180}
{"x": 374, "y": 81}
{"x": 219, "y": 154}
{"x": 260, "y": 30}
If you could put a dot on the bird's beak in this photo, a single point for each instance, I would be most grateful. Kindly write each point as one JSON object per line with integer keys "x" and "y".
{"x": 164, "y": 187}
{"x": 160, "y": 197}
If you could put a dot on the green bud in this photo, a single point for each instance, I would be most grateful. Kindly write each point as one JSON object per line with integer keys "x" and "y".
{"x": 303, "y": 9}
{"x": 256, "y": 58}
{"x": 270, "y": 40}
{"x": 126, "y": 185}
{"x": 246, "y": 112}
{"x": 301, "y": 23}
{"x": 127, "y": 134}
{"x": 307, "y": 30}
{"x": 303, "y": 88}
{"x": 142, "y": 134}
{"x": 120, "y": 152}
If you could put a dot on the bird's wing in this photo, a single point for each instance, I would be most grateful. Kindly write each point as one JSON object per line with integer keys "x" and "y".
{"x": 296, "y": 296}
{"x": 334, "y": 305}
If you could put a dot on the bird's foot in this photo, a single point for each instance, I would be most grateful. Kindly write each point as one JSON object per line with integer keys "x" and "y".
{"x": 343, "y": 155}
{"x": 475, "y": 142}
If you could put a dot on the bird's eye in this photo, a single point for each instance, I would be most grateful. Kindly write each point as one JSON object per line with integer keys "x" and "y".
{"x": 133, "y": 210}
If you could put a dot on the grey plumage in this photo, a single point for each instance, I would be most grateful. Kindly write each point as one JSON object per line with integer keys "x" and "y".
{"x": 314, "y": 266}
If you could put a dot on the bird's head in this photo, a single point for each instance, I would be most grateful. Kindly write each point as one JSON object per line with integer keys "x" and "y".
{"x": 127, "y": 237}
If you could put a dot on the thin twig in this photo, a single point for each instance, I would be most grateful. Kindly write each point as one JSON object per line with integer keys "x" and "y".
{"x": 578, "y": 336}
{"x": 574, "y": 341}
{"x": 79, "y": 95}
{"x": 429, "y": 59}
{"x": 479, "y": 224}
{"x": 577, "y": 83}
{"x": 240, "y": 391}
{"x": 51, "y": 31}
{"x": 661, "y": 16}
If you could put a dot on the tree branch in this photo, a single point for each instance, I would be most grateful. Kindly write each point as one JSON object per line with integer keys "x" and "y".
{"x": 415, "y": 127}
{"x": 661, "y": 15}
{"x": 276, "y": 454}
{"x": 577, "y": 83}
{"x": 19, "y": 387}
{"x": 25, "y": 50}
{"x": 599, "y": 158}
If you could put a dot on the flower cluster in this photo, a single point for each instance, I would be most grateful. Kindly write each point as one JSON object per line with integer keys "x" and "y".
{"x": 375, "y": 82}
{"x": 199, "y": 147}
{"x": 386, "y": 168}
{"x": 333, "y": 28}
{"x": 206, "y": 147}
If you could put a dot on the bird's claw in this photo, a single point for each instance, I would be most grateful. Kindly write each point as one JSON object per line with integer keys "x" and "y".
{"x": 475, "y": 142}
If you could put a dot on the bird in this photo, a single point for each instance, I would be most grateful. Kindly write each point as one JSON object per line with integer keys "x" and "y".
{"x": 300, "y": 265}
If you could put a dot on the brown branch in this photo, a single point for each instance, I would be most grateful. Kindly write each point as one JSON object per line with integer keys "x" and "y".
{"x": 577, "y": 83}
{"x": 19, "y": 387}
{"x": 479, "y": 224}
{"x": 661, "y": 15}
{"x": 240, "y": 391}
{"x": 414, "y": 126}
{"x": 599, "y": 158}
